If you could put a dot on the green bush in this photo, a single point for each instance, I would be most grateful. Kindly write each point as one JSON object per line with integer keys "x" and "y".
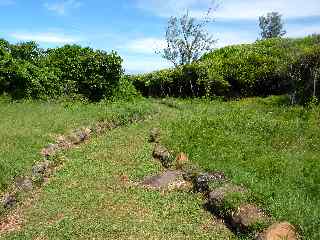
{"x": 305, "y": 74}
{"x": 125, "y": 90}
{"x": 258, "y": 69}
{"x": 27, "y": 71}
{"x": 84, "y": 71}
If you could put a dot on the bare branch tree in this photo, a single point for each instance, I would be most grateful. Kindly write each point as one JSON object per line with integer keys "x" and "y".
{"x": 187, "y": 38}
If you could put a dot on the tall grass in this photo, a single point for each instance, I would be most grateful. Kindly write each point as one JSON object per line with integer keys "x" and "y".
{"x": 271, "y": 148}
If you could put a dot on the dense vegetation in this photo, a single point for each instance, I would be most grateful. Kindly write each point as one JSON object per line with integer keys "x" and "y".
{"x": 27, "y": 71}
{"x": 272, "y": 66}
{"x": 266, "y": 67}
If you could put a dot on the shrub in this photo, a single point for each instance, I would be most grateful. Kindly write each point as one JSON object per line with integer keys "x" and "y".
{"x": 305, "y": 74}
{"x": 125, "y": 90}
{"x": 258, "y": 69}
{"x": 85, "y": 71}
{"x": 27, "y": 71}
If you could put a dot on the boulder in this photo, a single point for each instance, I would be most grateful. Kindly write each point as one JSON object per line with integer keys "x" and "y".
{"x": 247, "y": 217}
{"x": 279, "y": 231}
{"x": 163, "y": 180}
{"x": 202, "y": 181}
{"x": 63, "y": 142}
{"x": 84, "y": 134}
{"x": 40, "y": 169}
{"x": 217, "y": 196}
{"x": 154, "y": 135}
{"x": 9, "y": 201}
{"x": 24, "y": 184}
{"x": 49, "y": 150}
{"x": 163, "y": 155}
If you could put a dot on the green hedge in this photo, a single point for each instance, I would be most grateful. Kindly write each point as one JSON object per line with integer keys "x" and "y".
{"x": 305, "y": 73}
{"x": 27, "y": 71}
{"x": 259, "y": 69}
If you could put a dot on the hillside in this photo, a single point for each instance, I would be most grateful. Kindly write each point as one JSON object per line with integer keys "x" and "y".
{"x": 261, "y": 144}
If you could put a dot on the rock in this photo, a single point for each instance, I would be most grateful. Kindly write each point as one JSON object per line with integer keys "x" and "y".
{"x": 24, "y": 184}
{"x": 217, "y": 196}
{"x": 40, "y": 169}
{"x": 191, "y": 172}
{"x": 163, "y": 155}
{"x": 9, "y": 201}
{"x": 85, "y": 134}
{"x": 248, "y": 216}
{"x": 163, "y": 180}
{"x": 181, "y": 160}
{"x": 63, "y": 142}
{"x": 154, "y": 135}
{"x": 279, "y": 231}
{"x": 202, "y": 181}
{"x": 49, "y": 150}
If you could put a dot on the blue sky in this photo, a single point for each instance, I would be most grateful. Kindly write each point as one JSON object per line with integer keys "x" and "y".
{"x": 135, "y": 28}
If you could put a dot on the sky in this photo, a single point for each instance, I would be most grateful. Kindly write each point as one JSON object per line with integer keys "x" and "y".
{"x": 136, "y": 28}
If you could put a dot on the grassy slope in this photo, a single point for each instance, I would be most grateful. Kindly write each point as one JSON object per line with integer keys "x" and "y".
{"x": 26, "y": 127}
{"x": 87, "y": 199}
{"x": 272, "y": 149}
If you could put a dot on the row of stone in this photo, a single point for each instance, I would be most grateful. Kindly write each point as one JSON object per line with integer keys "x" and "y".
{"x": 45, "y": 168}
{"x": 230, "y": 202}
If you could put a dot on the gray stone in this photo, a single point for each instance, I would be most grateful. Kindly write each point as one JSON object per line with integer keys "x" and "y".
{"x": 41, "y": 168}
{"x": 217, "y": 196}
{"x": 49, "y": 150}
{"x": 202, "y": 181}
{"x": 9, "y": 201}
{"x": 163, "y": 155}
{"x": 248, "y": 215}
{"x": 24, "y": 184}
{"x": 162, "y": 180}
{"x": 154, "y": 135}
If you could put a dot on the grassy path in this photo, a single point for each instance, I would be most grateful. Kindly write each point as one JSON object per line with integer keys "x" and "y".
{"x": 92, "y": 198}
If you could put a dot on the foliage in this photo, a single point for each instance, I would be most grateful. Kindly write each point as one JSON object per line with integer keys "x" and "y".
{"x": 305, "y": 72}
{"x": 27, "y": 71}
{"x": 258, "y": 69}
{"x": 125, "y": 90}
{"x": 84, "y": 71}
{"x": 187, "y": 39}
{"x": 271, "y": 25}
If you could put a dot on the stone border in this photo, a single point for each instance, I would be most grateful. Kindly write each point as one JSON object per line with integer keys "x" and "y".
{"x": 43, "y": 170}
{"x": 227, "y": 201}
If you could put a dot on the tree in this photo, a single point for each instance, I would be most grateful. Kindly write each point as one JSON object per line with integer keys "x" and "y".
{"x": 271, "y": 25}
{"x": 187, "y": 39}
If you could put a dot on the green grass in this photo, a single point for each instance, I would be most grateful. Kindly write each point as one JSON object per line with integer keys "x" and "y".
{"x": 26, "y": 127}
{"x": 270, "y": 148}
{"x": 87, "y": 199}
{"x": 263, "y": 144}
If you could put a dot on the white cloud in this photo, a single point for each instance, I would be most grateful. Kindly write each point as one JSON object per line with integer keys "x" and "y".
{"x": 6, "y": 2}
{"x": 63, "y": 7}
{"x": 232, "y": 38}
{"x": 144, "y": 64}
{"x": 232, "y": 9}
{"x": 145, "y": 45}
{"x": 45, "y": 38}
{"x": 297, "y": 30}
